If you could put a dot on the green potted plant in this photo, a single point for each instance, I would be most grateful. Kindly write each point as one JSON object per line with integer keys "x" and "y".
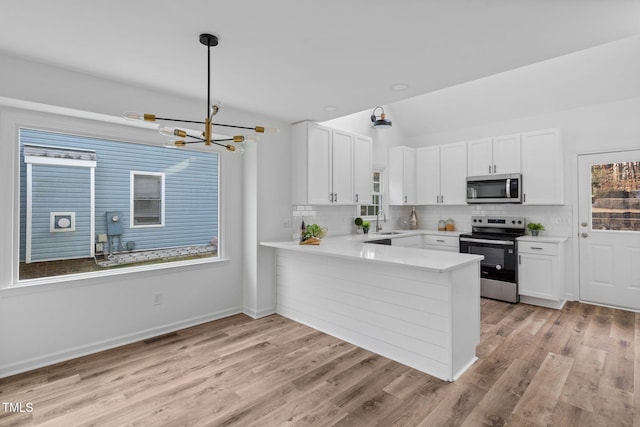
{"x": 312, "y": 234}
{"x": 535, "y": 228}
{"x": 365, "y": 226}
{"x": 358, "y": 222}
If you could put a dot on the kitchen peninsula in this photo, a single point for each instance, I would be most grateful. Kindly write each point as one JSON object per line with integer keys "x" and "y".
{"x": 416, "y": 306}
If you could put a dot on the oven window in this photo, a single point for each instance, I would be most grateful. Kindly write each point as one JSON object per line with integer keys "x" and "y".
{"x": 492, "y": 256}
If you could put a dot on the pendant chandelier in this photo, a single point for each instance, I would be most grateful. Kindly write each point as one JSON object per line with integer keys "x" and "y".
{"x": 190, "y": 136}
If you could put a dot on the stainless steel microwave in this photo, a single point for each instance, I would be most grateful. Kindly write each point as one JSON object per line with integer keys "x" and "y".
{"x": 505, "y": 188}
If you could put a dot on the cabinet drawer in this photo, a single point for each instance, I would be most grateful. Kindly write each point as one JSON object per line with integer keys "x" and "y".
{"x": 538, "y": 248}
{"x": 441, "y": 248}
{"x": 438, "y": 240}
{"x": 410, "y": 241}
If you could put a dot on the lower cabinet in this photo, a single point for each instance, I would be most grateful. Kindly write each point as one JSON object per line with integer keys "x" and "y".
{"x": 541, "y": 269}
{"x": 409, "y": 241}
{"x": 439, "y": 242}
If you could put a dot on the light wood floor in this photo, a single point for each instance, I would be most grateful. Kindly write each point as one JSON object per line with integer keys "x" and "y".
{"x": 576, "y": 367}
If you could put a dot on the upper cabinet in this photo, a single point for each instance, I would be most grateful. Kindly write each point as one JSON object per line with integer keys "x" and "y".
{"x": 402, "y": 175}
{"x": 542, "y": 168}
{"x": 440, "y": 174}
{"x": 328, "y": 164}
{"x": 494, "y": 156}
{"x": 362, "y": 169}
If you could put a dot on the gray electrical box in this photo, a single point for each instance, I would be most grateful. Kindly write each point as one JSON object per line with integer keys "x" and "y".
{"x": 114, "y": 223}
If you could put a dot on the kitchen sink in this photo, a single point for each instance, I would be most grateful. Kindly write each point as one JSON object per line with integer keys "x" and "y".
{"x": 389, "y": 233}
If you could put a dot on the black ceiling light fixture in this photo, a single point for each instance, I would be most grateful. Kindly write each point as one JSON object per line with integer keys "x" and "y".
{"x": 190, "y": 136}
{"x": 381, "y": 121}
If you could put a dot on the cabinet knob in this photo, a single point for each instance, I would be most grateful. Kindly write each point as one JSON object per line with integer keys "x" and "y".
{"x": 584, "y": 224}
{"x": 584, "y": 235}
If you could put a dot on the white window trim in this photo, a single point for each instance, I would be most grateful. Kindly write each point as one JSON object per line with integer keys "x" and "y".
{"x": 132, "y": 175}
{"x": 381, "y": 169}
{"x": 16, "y": 114}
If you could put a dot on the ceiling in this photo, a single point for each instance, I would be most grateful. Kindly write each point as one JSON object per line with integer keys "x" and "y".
{"x": 293, "y": 59}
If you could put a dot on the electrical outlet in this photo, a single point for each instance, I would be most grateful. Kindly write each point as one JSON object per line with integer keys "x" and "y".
{"x": 157, "y": 299}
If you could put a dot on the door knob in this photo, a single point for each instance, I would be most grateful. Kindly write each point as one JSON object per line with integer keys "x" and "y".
{"x": 584, "y": 224}
{"x": 584, "y": 234}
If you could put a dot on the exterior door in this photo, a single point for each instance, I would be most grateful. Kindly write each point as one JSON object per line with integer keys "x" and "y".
{"x": 609, "y": 228}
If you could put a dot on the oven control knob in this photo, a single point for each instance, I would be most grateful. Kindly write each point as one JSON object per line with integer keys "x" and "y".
{"x": 519, "y": 222}
{"x": 513, "y": 222}
{"x": 498, "y": 267}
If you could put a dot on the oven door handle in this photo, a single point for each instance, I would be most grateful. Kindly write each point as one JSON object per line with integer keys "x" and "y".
{"x": 491, "y": 242}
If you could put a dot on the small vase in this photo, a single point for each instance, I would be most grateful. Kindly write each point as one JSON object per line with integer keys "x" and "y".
{"x": 535, "y": 233}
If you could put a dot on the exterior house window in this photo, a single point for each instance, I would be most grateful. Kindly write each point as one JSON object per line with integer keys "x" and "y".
{"x": 147, "y": 199}
{"x": 93, "y": 205}
{"x": 376, "y": 199}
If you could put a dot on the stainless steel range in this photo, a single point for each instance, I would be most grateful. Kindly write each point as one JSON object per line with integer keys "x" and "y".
{"x": 495, "y": 238}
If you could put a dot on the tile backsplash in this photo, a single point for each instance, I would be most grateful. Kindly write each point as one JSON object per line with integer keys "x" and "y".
{"x": 557, "y": 220}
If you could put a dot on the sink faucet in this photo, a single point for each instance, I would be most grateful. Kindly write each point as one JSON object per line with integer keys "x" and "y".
{"x": 384, "y": 219}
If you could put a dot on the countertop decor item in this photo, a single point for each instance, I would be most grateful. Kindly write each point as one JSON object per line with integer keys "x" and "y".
{"x": 535, "y": 228}
{"x": 413, "y": 219}
{"x": 205, "y": 136}
{"x": 450, "y": 225}
{"x": 365, "y": 226}
{"x": 312, "y": 234}
{"x": 442, "y": 225}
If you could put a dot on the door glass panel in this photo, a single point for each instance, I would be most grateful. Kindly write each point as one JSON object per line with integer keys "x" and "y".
{"x": 615, "y": 196}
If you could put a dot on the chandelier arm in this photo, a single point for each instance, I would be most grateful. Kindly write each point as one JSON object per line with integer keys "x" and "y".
{"x": 179, "y": 120}
{"x": 234, "y": 126}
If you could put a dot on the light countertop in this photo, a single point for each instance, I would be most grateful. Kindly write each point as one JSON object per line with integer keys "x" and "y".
{"x": 542, "y": 239}
{"x": 347, "y": 247}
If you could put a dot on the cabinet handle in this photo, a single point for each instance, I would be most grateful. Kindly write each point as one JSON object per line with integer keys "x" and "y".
{"x": 442, "y": 198}
{"x": 489, "y": 168}
{"x": 405, "y": 199}
{"x": 519, "y": 259}
{"x": 441, "y": 241}
{"x": 535, "y": 247}
{"x": 356, "y": 198}
{"x": 524, "y": 197}
{"x": 336, "y": 197}
{"x": 331, "y": 197}
{"x": 494, "y": 168}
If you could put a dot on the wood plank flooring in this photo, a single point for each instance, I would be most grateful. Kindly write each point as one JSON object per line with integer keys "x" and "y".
{"x": 579, "y": 366}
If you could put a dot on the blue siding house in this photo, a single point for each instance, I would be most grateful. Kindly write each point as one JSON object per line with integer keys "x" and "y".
{"x": 73, "y": 187}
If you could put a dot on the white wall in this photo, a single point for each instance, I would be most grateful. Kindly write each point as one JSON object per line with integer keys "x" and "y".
{"x": 47, "y": 323}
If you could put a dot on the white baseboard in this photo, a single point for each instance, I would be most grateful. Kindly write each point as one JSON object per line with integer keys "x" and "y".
{"x": 557, "y": 305}
{"x": 72, "y": 353}
{"x": 257, "y": 314}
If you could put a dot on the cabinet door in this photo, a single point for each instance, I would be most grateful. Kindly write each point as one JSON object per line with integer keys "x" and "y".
{"x": 319, "y": 165}
{"x": 506, "y": 154}
{"x": 342, "y": 168}
{"x": 409, "y": 178}
{"x": 428, "y": 175}
{"x": 453, "y": 183}
{"x": 480, "y": 160}
{"x": 362, "y": 169}
{"x": 537, "y": 276}
{"x": 542, "y": 168}
{"x": 395, "y": 175}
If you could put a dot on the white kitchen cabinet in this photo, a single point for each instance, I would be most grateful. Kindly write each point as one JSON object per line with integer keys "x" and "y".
{"x": 402, "y": 175}
{"x": 541, "y": 268}
{"x": 494, "y": 156}
{"x": 323, "y": 165}
{"x": 362, "y": 169}
{"x": 408, "y": 241}
{"x": 441, "y": 174}
{"x": 542, "y": 168}
{"x": 440, "y": 242}
{"x": 342, "y": 168}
